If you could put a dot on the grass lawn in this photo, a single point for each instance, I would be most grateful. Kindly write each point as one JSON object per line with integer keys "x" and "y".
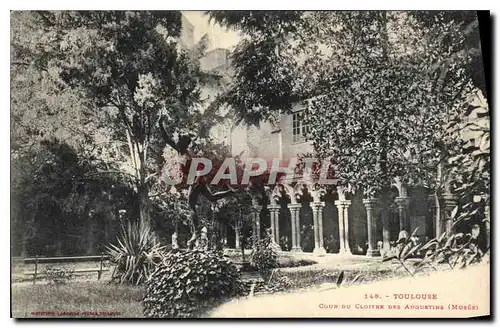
{"x": 97, "y": 299}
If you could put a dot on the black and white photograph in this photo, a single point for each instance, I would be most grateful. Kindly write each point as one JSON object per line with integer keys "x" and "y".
{"x": 249, "y": 164}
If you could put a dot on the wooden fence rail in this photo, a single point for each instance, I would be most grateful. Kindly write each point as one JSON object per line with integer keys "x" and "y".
{"x": 58, "y": 259}
{"x": 36, "y": 260}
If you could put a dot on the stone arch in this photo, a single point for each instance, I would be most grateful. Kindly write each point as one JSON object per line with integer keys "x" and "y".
{"x": 281, "y": 195}
{"x": 420, "y": 211}
{"x": 400, "y": 186}
{"x": 287, "y": 190}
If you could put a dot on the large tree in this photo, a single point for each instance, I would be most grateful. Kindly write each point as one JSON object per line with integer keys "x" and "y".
{"x": 127, "y": 70}
{"x": 387, "y": 82}
{"x": 386, "y": 85}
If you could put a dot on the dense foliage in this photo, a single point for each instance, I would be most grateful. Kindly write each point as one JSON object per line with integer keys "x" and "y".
{"x": 187, "y": 281}
{"x": 127, "y": 72}
{"x": 388, "y": 86}
{"x": 263, "y": 81}
{"x": 60, "y": 202}
{"x": 264, "y": 257}
{"x": 119, "y": 89}
{"x": 454, "y": 251}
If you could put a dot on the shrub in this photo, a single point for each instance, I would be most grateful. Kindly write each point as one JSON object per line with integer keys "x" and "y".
{"x": 289, "y": 262}
{"x": 456, "y": 250}
{"x": 277, "y": 283}
{"x": 135, "y": 256}
{"x": 58, "y": 276}
{"x": 265, "y": 257}
{"x": 187, "y": 281}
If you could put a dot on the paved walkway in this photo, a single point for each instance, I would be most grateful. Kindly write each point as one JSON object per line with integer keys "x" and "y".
{"x": 334, "y": 261}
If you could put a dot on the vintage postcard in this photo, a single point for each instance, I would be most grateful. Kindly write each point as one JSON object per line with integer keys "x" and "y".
{"x": 249, "y": 164}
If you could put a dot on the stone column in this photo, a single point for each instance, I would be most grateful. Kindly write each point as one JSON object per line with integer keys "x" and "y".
{"x": 436, "y": 216}
{"x": 372, "y": 243}
{"x": 320, "y": 221}
{"x": 274, "y": 216}
{"x": 237, "y": 234}
{"x": 256, "y": 223}
{"x": 340, "y": 209}
{"x": 271, "y": 220}
{"x": 343, "y": 210}
{"x": 449, "y": 203}
{"x": 175, "y": 244}
{"x": 315, "y": 227}
{"x": 317, "y": 208}
{"x": 298, "y": 236}
{"x": 292, "y": 224}
{"x": 295, "y": 223}
{"x": 345, "y": 205}
{"x": 403, "y": 211}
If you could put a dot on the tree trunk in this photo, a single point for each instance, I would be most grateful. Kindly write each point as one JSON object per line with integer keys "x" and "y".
{"x": 143, "y": 188}
{"x": 90, "y": 236}
{"x": 138, "y": 156}
{"x": 24, "y": 242}
{"x": 144, "y": 203}
{"x": 108, "y": 219}
{"x": 59, "y": 247}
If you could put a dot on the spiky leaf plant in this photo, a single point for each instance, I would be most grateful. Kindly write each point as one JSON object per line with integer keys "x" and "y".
{"x": 136, "y": 254}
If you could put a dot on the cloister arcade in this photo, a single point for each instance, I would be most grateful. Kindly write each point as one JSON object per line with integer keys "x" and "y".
{"x": 347, "y": 222}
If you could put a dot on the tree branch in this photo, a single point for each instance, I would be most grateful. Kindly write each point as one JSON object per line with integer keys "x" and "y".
{"x": 166, "y": 137}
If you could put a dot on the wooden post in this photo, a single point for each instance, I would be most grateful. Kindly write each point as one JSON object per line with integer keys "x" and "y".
{"x": 100, "y": 267}
{"x": 36, "y": 269}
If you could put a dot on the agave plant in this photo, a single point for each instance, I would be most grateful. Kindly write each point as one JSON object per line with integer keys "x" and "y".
{"x": 136, "y": 254}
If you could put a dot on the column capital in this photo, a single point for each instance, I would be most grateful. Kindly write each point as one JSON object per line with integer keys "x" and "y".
{"x": 317, "y": 204}
{"x": 449, "y": 197}
{"x": 449, "y": 201}
{"x": 343, "y": 203}
{"x": 370, "y": 203}
{"x": 257, "y": 208}
{"x": 431, "y": 199}
{"x": 403, "y": 201}
{"x": 273, "y": 207}
{"x": 294, "y": 206}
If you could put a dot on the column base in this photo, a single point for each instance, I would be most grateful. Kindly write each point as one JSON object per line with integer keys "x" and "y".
{"x": 319, "y": 250}
{"x": 296, "y": 249}
{"x": 372, "y": 253}
{"x": 345, "y": 252}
